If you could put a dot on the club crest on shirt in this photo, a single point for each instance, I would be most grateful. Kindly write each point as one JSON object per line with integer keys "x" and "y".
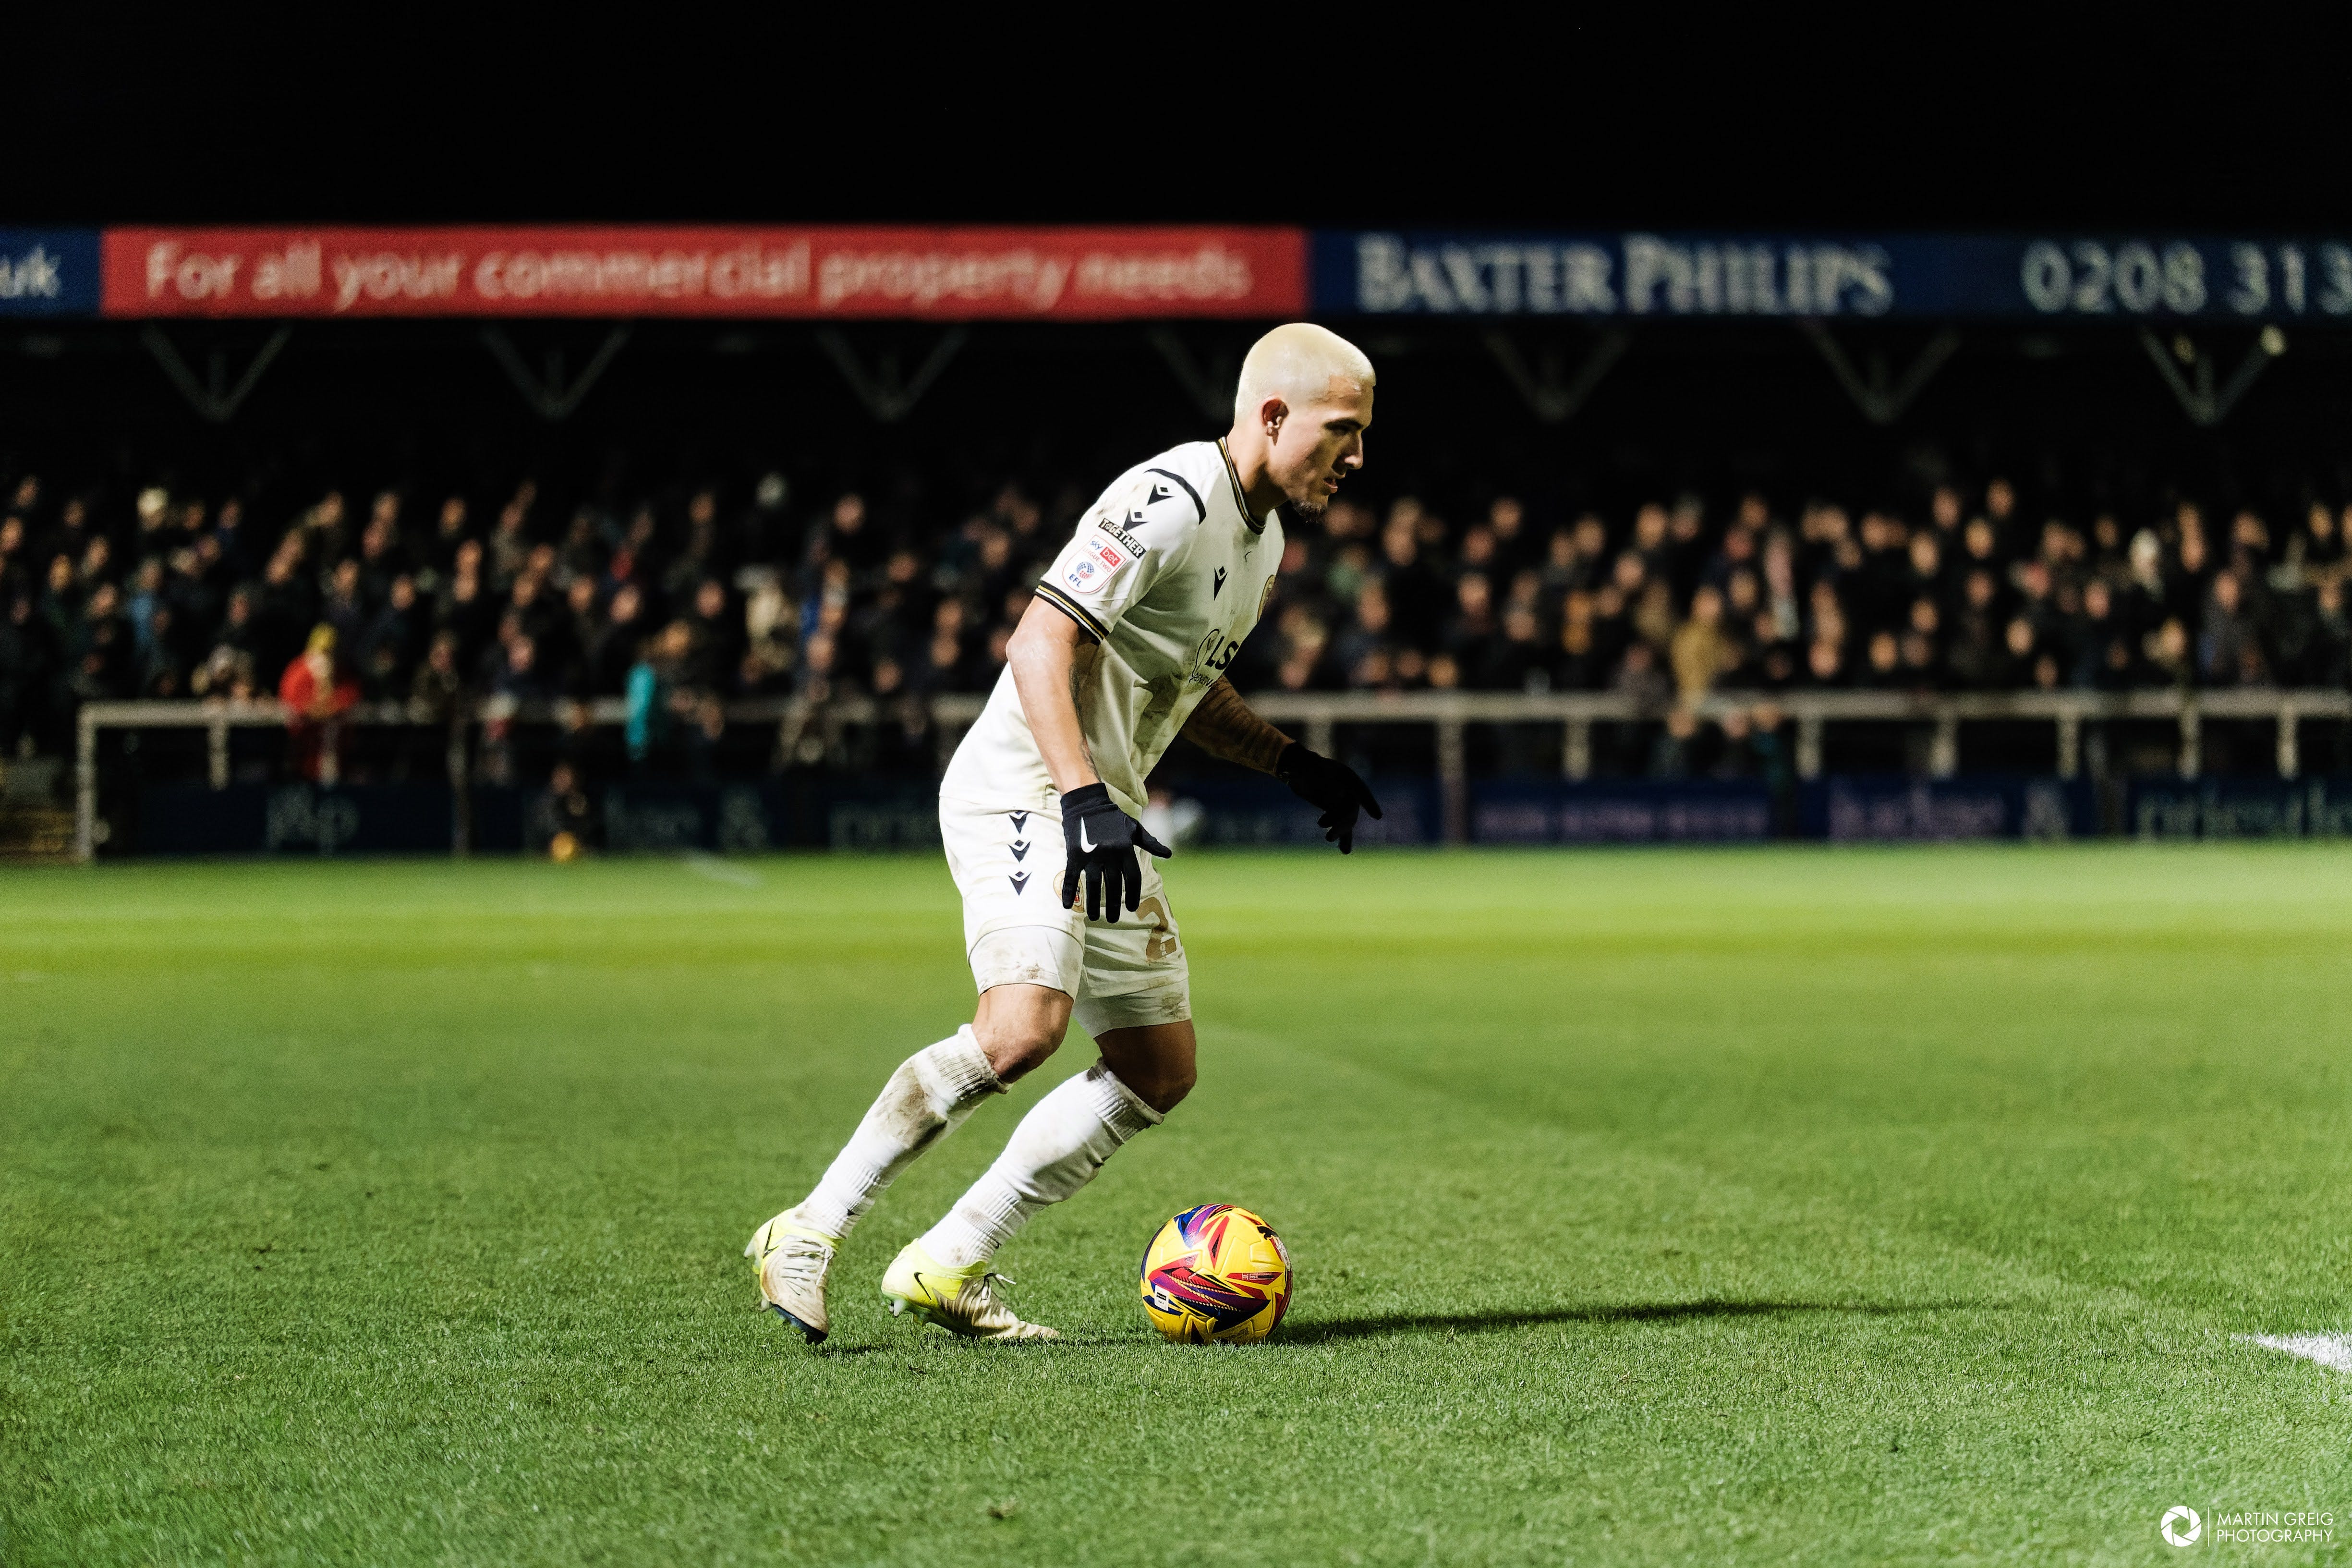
{"x": 1096, "y": 563}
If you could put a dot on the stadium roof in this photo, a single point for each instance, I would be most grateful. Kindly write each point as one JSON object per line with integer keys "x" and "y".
{"x": 1780, "y": 120}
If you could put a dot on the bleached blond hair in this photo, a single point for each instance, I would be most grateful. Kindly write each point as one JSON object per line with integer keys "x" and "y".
{"x": 1298, "y": 362}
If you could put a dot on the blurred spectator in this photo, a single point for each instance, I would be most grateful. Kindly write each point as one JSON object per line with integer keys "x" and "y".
{"x": 104, "y": 653}
{"x": 2327, "y": 658}
{"x": 2103, "y": 655}
{"x": 715, "y": 660}
{"x": 394, "y": 641}
{"x": 317, "y": 690}
{"x": 27, "y": 679}
{"x": 1640, "y": 679}
{"x": 613, "y": 650}
{"x": 2227, "y": 651}
{"x": 437, "y": 687}
{"x": 561, "y": 819}
{"x": 667, "y": 716}
{"x": 1473, "y": 637}
{"x": 1702, "y": 650}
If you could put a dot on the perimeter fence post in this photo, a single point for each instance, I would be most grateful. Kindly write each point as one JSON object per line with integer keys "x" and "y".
{"x": 1809, "y": 746}
{"x": 2192, "y": 739}
{"x": 2070, "y": 742}
{"x": 2290, "y": 755}
{"x": 1575, "y": 749}
{"x": 1453, "y": 782}
{"x": 216, "y": 752}
{"x": 85, "y": 786}
{"x": 1944, "y": 751}
{"x": 461, "y": 785}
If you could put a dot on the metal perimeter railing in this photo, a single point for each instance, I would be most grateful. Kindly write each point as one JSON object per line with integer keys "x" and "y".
{"x": 1315, "y": 715}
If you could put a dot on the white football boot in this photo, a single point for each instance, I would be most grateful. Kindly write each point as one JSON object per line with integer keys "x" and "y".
{"x": 792, "y": 1261}
{"x": 960, "y": 1300}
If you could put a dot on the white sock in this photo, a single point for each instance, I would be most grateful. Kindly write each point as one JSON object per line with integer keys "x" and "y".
{"x": 927, "y": 1099}
{"x": 1056, "y": 1150}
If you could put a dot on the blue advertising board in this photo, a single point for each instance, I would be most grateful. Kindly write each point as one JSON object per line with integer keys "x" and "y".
{"x": 294, "y": 819}
{"x": 1261, "y": 812}
{"x": 48, "y": 271}
{"x": 1620, "y": 811}
{"x": 1645, "y": 276}
{"x": 2240, "y": 808}
{"x": 1857, "y": 808}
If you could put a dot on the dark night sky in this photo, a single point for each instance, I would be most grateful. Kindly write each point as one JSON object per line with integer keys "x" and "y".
{"x": 1434, "y": 118}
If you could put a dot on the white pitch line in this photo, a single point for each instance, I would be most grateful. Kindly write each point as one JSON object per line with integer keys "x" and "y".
{"x": 2328, "y": 1350}
{"x": 719, "y": 870}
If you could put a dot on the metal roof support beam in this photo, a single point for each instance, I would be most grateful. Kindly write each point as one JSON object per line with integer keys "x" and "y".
{"x": 888, "y": 395}
{"x": 2199, "y": 400}
{"x": 214, "y": 398}
{"x": 1208, "y": 382}
{"x": 550, "y": 396}
{"x": 1878, "y": 390}
{"x": 1552, "y": 393}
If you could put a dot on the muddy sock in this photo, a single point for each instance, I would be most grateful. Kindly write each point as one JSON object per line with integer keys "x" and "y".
{"x": 1056, "y": 1150}
{"x": 927, "y": 1099}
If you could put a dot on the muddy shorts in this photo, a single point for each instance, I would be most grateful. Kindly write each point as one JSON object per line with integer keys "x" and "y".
{"x": 1008, "y": 864}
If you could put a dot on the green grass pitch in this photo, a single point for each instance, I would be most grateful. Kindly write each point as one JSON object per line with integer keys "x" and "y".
{"x": 1795, "y": 1206}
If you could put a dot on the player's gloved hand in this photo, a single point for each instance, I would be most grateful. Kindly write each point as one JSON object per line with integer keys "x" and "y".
{"x": 1101, "y": 841}
{"x": 1330, "y": 785}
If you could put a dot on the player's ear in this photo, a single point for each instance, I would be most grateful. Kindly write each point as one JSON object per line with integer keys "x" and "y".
{"x": 1272, "y": 413}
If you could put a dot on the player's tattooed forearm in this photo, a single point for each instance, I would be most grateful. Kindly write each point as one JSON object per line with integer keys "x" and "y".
{"x": 1224, "y": 726}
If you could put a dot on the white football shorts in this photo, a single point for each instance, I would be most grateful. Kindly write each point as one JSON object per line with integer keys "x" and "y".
{"x": 1008, "y": 865}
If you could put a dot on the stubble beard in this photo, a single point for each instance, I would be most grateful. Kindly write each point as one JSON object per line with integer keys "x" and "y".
{"x": 1310, "y": 507}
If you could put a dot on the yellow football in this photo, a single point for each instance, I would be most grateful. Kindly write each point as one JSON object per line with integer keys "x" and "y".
{"x": 1216, "y": 1273}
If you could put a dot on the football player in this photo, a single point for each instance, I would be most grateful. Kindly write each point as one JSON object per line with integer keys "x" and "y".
{"x": 1064, "y": 915}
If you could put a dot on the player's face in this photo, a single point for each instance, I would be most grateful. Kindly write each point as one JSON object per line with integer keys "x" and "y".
{"x": 1321, "y": 444}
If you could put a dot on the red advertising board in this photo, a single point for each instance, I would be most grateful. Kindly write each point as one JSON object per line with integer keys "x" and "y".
{"x": 944, "y": 274}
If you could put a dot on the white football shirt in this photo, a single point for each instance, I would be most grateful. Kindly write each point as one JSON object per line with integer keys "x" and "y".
{"x": 1168, "y": 572}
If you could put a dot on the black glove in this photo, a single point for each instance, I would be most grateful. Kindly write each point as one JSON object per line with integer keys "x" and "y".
{"x": 1101, "y": 841}
{"x": 1332, "y": 786}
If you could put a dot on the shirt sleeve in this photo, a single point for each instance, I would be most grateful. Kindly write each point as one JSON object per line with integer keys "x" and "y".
{"x": 1138, "y": 531}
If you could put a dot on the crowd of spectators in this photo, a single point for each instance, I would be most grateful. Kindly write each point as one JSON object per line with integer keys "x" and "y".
{"x": 689, "y": 598}
{"x": 1972, "y": 594}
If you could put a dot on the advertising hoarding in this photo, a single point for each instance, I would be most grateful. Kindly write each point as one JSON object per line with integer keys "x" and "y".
{"x": 945, "y": 274}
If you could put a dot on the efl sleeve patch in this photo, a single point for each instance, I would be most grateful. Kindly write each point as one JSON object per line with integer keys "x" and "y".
{"x": 1093, "y": 564}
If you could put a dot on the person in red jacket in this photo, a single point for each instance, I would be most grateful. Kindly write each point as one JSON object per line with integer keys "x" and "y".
{"x": 317, "y": 692}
